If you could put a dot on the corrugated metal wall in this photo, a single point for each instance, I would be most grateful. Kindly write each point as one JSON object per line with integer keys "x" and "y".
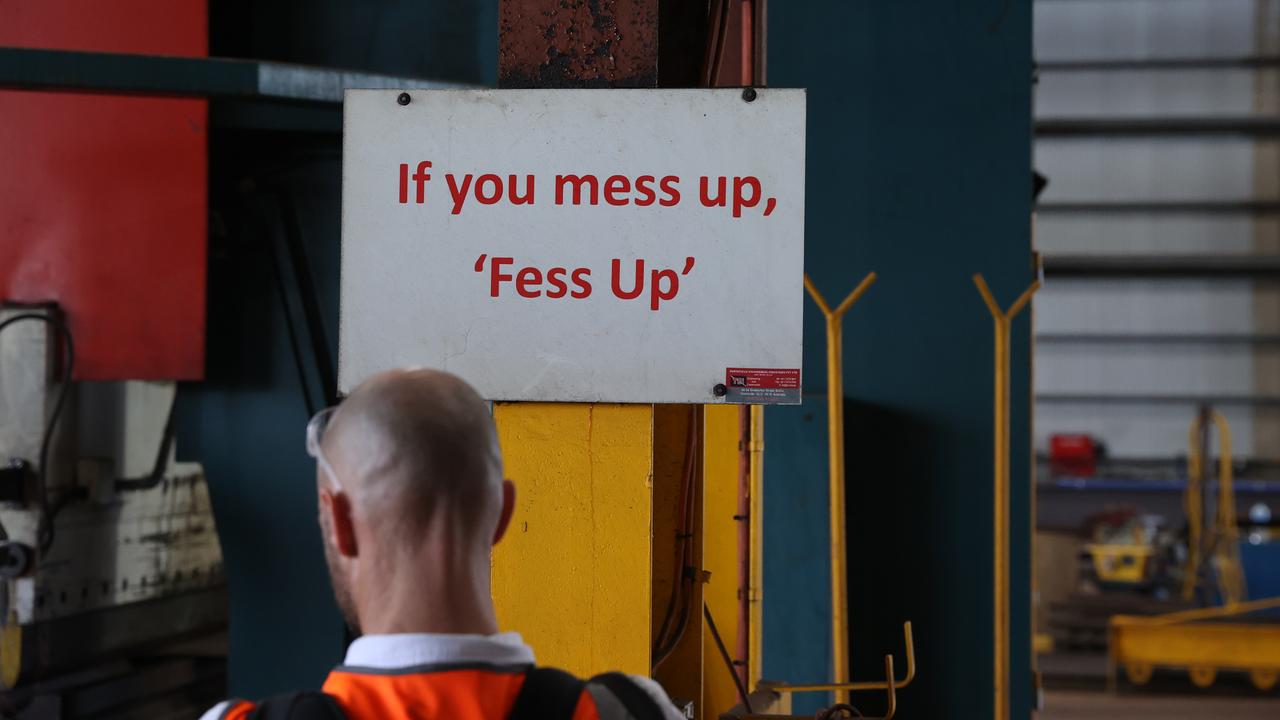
{"x": 1144, "y": 196}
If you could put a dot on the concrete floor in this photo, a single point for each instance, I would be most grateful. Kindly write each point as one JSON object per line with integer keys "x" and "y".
{"x": 1076, "y": 705}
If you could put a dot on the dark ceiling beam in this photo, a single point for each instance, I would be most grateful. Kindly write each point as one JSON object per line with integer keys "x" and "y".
{"x": 1060, "y": 127}
{"x": 1243, "y": 267}
{"x": 1187, "y": 207}
{"x": 1250, "y": 62}
{"x": 211, "y": 78}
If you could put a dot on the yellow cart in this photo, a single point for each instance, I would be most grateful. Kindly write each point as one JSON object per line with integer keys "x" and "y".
{"x": 1202, "y": 642}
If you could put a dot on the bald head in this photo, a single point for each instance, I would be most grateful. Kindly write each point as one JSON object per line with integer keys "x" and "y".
{"x": 415, "y": 504}
{"x": 417, "y": 447}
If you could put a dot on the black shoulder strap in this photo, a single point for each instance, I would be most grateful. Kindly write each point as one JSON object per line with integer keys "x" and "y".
{"x": 639, "y": 704}
{"x": 299, "y": 706}
{"x": 547, "y": 694}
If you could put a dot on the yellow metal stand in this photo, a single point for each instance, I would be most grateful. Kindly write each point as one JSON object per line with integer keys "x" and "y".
{"x": 890, "y": 684}
{"x": 835, "y": 448}
{"x": 841, "y": 686}
{"x": 1224, "y": 541}
{"x": 1003, "y": 321}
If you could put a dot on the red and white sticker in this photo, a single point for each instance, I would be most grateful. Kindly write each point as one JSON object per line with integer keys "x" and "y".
{"x": 762, "y": 386}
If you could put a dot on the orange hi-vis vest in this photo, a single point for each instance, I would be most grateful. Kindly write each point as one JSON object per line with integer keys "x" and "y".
{"x": 474, "y": 691}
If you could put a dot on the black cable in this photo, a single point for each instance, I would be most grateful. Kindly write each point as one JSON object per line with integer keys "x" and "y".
{"x": 682, "y": 624}
{"x": 662, "y": 638}
{"x": 719, "y": 46}
{"x": 665, "y": 644}
{"x": 708, "y": 58}
{"x": 161, "y": 464}
{"x": 289, "y": 256}
{"x": 277, "y": 268}
{"x": 309, "y": 297}
{"x": 295, "y": 252}
{"x": 728, "y": 661}
{"x": 45, "y": 530}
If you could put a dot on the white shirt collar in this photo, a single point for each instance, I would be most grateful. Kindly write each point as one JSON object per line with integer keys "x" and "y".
{"x": 413, "y": 649}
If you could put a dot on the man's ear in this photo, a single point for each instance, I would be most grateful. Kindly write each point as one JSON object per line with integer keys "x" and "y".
{"x": 508, "y": 509}
{"x": 341, "y": 521}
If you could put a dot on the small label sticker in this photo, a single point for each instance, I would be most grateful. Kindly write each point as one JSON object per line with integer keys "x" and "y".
{"x": 762, "y": 386}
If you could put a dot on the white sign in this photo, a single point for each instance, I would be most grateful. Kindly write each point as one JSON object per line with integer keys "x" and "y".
{"x": 577, "y": 245}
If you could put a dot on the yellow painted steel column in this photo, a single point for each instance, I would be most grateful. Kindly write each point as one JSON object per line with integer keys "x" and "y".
{"x": 1002, "y": 322}
{"x": 573, "y": 574}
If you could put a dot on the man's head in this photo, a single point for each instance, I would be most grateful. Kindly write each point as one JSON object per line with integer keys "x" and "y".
{"x": 411, "y": 498}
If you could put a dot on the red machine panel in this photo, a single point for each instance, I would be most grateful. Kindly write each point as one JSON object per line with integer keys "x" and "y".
{"x": 103, "y": 198}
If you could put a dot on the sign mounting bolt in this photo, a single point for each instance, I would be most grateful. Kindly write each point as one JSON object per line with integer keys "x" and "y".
{"x": 748, "y": 94}
{"x": 403, "y": 99}
{"x": 720, "y": 390}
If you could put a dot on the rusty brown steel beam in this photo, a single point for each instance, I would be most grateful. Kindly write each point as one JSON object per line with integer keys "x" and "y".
{"x": 577, "y": 43}
{"x": 600, "y": 43}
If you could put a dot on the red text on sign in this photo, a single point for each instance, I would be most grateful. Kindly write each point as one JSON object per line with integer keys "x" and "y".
{"x": 664, "y": 284}
{"x": 627, "y": 282}
{"x": 532, "y": 282}
{"x": 617, "y": 190}
{"x": 488, "y": 189}
{"x": 738, "y": 194}
{"x": 746, "y": 194}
